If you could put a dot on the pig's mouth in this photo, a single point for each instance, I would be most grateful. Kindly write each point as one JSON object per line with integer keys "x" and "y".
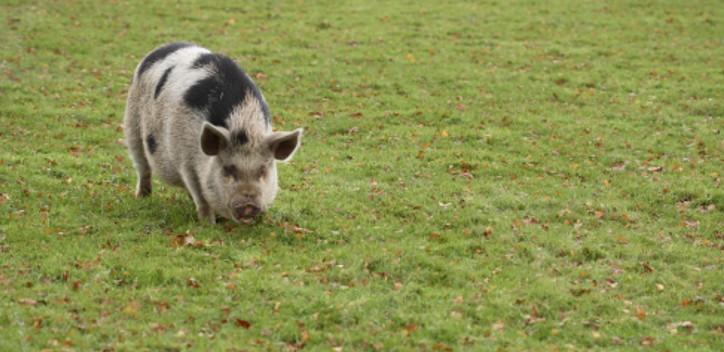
{"x": 246, "y": 214}
{"x": 247, "y": 221}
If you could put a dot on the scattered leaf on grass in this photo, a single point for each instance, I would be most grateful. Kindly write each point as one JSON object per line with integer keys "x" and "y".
{"x": 242, "y": 323}
{"x": 647, "y": 341}
{"x": 707, "y": 208}
{"x": 191, "y": 282}
{"x": 640, "y": 313}
{"x": 158, "y": 327}
{"x": 28, "y": 301}
{"x": 410, "y": 328}
{"x": 260, "y": 76}
{"x": 647, "y": 268}
{"x": 132, "y": 308}
{"x": 686, "y": 326}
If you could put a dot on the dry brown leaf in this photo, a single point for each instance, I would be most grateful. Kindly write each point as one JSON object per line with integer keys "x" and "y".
{"x": 681, "y": 326}
{"x": 28, "y": 301}
{"x": 498, "y": 326}
{"x": 640, "y": 313}
{"x": 410, "y": 328}
{"x": 647, "y": 341}
{"x": 242, "y": 323}
{"x": 191, "y": 282}
{"x": 132, "y": 308}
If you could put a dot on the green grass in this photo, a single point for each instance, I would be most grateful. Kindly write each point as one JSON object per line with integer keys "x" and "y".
{"x": 485, "y": 175}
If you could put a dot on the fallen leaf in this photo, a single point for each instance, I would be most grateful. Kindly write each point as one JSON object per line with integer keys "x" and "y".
{"x": 441, "y": 347}
{"x": 242, "y": 323}
{"x": 529, "y": 220}
{"x": 260, "y": 76}
{"x": 647, "y": 341}
{"x": 498, "y": 326}
{"x": 443, "y": 133}
{"x": 640, "y": 313}
{"x": 707, "y": 208}
{"x": 683, "y": 325}
{"x": 618, "y": 167}
{"x": 410, "y": 58}
{"x": 28, "y": 301}
{"x": 599, "y": 214}
{"x": 132, "y": 308}
{"x": 158, "y": 327}
{"x": 647, "y": 267}
{"x": 191, "y": 282}
{"x": 656, "y": 169}
{"x": 410, "y": 328}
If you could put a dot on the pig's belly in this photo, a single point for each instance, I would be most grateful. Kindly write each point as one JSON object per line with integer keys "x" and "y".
{"x": 165, "y": 172}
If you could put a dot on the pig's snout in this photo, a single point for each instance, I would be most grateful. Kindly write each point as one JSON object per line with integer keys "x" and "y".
{"x": 246, "y": 212}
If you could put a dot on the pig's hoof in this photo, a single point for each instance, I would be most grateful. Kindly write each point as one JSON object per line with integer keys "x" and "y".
{"x": 205, "y": 214}
{"x": 143, "y": 192}
{"x": 143, "y": 189}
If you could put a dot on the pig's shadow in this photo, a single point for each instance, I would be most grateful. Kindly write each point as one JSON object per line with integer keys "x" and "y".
{"x": 169, "y": 209}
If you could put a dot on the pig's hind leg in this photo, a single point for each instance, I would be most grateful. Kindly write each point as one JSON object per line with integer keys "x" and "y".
{"x": 134, "y": 142}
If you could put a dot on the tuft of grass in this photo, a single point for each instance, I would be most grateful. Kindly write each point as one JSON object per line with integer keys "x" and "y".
{"x": 476, "y": 175}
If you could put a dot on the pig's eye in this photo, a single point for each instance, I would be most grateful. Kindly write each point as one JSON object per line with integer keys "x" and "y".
{"x": 261, "y": 173}
{"x": 230, "y": 171}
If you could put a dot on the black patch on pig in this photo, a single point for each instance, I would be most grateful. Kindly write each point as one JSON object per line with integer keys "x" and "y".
{"x": 230, "y": 171}
{"x": 151, "y": 143}
{"x": 225, "y": 89}
{"x": 160, "y": 54}
{"x": 162, "y": 81}
{"x": 239, "y": 137}
{"x": 203, "y": 60}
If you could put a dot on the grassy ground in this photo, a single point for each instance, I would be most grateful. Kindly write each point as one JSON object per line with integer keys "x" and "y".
{"x": 485, "y": 175}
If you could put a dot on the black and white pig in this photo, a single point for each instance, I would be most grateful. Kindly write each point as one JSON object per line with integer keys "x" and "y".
{"x": 196, "y": 120}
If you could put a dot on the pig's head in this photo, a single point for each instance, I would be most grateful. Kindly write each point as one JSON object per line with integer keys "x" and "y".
{"x": 241, "y": 179}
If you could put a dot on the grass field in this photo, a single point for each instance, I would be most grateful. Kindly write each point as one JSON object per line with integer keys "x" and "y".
{"x": 484, "y": 175}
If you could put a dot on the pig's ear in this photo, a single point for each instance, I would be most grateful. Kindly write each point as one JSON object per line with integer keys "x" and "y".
{"x": 213, "y": 139}
{"x": 284, "y": 144}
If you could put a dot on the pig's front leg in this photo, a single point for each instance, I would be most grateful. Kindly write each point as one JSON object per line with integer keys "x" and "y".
{"x": 193, "y": 186}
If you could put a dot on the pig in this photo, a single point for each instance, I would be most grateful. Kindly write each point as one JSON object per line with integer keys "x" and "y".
{"x": 196, "y": 120}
